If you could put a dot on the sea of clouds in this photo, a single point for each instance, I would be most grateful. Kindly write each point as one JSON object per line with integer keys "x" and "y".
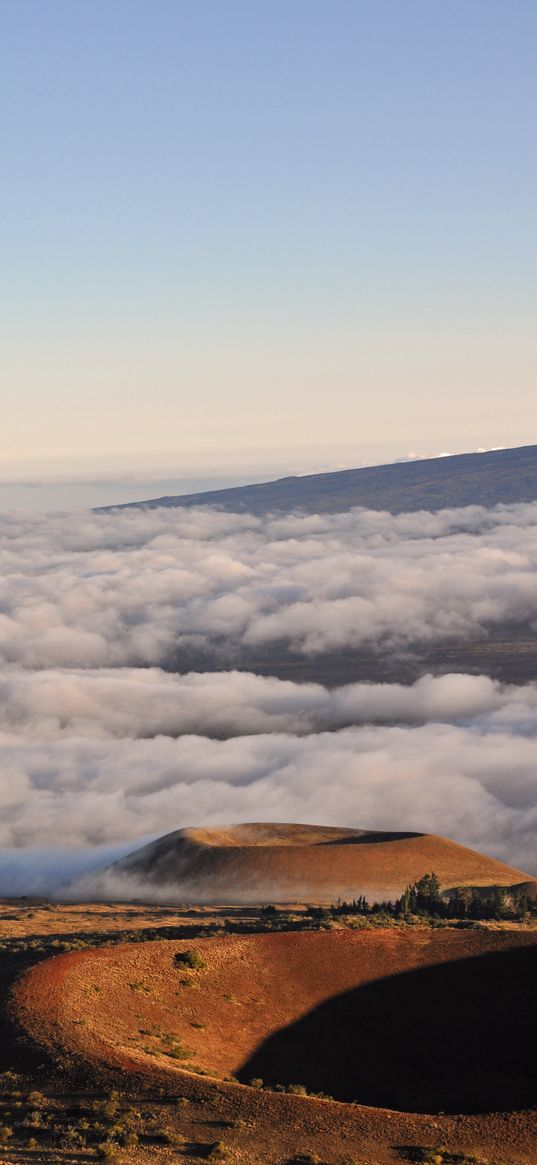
{"x": 101, "y": 744}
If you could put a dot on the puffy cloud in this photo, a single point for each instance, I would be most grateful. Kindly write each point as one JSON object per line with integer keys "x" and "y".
{"x": 148, "y": 702}
{"x": 141, "y": 587}
{"x": 474, "y": 784}
{"x": 100, "y": 746}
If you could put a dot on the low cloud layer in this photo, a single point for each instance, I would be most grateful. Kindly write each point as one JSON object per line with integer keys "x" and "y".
{"x": 54, "y": 872}
{"x": 147, "y": 702}
{"x": 476, "y": 783}
{"x": 142, "y": 587}
{"x": 101, "y": 746}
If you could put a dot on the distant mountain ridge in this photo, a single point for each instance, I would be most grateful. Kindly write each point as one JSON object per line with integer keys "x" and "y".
{"x": 500, "y": 476}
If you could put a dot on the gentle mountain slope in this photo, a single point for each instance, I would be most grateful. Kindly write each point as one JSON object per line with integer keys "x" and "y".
{"x": 486, "y": 479}
{"x": 284, "y": 862}
{"x": 400, "y": 1018}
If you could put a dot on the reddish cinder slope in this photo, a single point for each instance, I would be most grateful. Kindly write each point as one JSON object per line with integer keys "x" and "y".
{"x": 137, "y": 1001}
{"x": 284, "y": 862}
{"x": 135, "y": 1008}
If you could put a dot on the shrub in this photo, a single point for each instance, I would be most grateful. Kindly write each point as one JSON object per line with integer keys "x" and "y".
{"x": 130, "y": 1140}
{"x": 191, "y": 959}
{"x": 107, "y": 1108}
{"x": 72, "y": 1139}
{"x": 109, "y": 1151}
{"x": 177, "y": 1052}
{"x": 36, "y": 1099}
{"x": 433, "y": 1156}
{"x": 218, "y": 1152}
{"x": 175, "y": 1139}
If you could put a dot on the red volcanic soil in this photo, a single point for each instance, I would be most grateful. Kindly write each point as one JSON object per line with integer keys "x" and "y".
{"x": 340, "y": 1006}
{"x": 284, "y": 862}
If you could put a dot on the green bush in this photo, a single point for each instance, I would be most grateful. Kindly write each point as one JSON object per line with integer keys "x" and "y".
{"x": 191, "y": 959}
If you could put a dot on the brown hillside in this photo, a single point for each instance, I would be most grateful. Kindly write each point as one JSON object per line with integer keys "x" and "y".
{"x": 403, "y": 1009}
{"x": 282, "y": 862}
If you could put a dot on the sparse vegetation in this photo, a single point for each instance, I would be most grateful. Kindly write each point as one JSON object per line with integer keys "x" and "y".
{"x": 424, "y": 899}
{"x": 106, "y": 1126}
{"x": 109, "y": 1151}
{"x": 36, "y": 1099}
{"x": 217, "y": 1152}
{"x": 440, "y": 1155}
{"x": 190, "y": 959}
{"x": 33, "y": 1119}
{"x": 174, "y": 1048}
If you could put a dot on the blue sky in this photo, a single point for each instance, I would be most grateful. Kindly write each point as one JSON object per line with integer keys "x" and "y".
{"x": 279, "y": 234}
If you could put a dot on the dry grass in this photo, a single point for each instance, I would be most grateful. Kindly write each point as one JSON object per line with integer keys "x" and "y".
{"x": 217, "y": 1016}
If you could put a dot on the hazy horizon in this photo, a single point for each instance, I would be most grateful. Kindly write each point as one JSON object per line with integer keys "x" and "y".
{"x": 71, "y": 487}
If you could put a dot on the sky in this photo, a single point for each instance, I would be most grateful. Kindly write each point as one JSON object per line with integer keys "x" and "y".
{"x": 242, "y": 239}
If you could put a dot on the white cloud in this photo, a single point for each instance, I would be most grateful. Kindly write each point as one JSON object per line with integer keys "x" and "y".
{"x": 136, "y": 587}
{"x": 99, "y": 746}
{"x": 475, "y": 785}
{"x": 148, "y": 702}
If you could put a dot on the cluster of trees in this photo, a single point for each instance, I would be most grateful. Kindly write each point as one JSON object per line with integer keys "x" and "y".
{"x": 498, "y": 903}
{"x": 424, "y": 897}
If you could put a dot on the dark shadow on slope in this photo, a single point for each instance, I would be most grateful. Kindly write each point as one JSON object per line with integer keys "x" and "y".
{"x": 455, "y": 1037}
{"x": 369, "y": 837}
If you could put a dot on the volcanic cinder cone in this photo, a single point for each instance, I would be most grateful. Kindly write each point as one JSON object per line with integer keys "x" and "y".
{"x": 294, "y": 863}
